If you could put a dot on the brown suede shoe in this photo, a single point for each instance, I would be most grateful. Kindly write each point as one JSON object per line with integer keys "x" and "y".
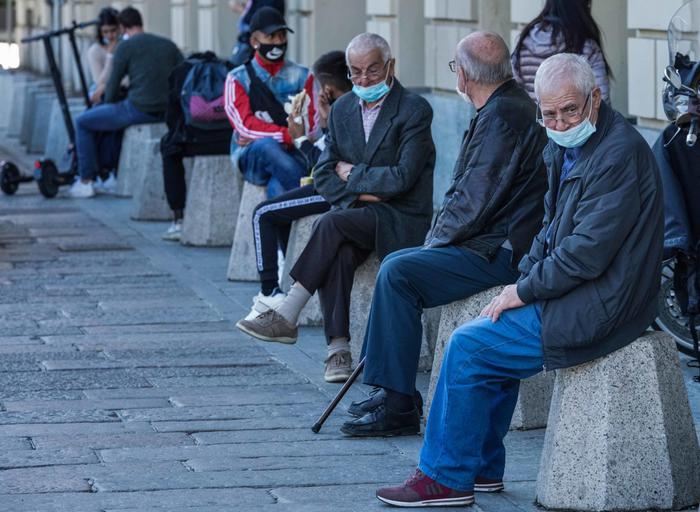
{"x": 422, "y": 491}
{"x": 270, "y": 326}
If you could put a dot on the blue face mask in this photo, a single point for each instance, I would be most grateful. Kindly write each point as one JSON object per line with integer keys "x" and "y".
{"x": 372, "y": 93}
{"x": 574, "y": 137}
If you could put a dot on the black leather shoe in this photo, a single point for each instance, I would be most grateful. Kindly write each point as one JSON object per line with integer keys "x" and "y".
{"x": 383, "y": 422}
{"x": 377, "y": 397}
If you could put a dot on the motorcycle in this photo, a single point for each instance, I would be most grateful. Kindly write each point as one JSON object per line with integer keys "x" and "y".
{"x": 678, "y": 156}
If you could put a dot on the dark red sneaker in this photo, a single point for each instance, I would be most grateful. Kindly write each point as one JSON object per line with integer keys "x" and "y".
{"x": 422, "y": 491}
{"x": 482, "y": 484}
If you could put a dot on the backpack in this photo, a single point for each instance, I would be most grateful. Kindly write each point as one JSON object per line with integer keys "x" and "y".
{"x": 202, "y": 94}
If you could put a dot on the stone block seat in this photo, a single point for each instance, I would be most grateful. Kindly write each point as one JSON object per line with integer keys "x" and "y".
{"x": 134, "y": 154}
{"x": 148, "y": 200}
{"x": 39, "y": 130}
{"x": 57, "y": 135}
{"x": 30, "y": 111}
{"x": 620, "y": 434}
{"x": 213, "y": 198}
{"x": 22, "y": 87}
{"x": 242, "y": 265}
{"x": 535, "y": 393}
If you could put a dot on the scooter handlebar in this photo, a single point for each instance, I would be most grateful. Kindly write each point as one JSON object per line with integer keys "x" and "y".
{"x": 56, "y": 33}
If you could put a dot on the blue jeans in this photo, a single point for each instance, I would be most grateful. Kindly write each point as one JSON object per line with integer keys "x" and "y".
{"x": 476, "y": 394}
{"x": 409, "y": 281}
{"x": 267, "y": 162}
{"x": 107, "y": 117}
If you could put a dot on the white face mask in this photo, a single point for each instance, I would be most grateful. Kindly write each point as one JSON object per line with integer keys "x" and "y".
{"x": 464, "y": 96}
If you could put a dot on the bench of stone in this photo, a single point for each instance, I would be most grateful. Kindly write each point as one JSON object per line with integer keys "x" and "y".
{"x": 213, "y": 197}
{"x": 242, "y": 264}
{"x": 40, "y": 126}
{"x": 535, "y": 393}
{"x": 22, "y": 87}
{"x": 135, "y": 152}
{"x": 31, "y": 114}
{"x": 620, "y": 434}
{"x": 57, "y": 136}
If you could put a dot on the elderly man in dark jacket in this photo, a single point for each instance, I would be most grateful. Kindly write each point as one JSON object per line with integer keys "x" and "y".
{"x": 487, "y": 222}
{"x": 588, "y": 287}
{"x": 377, "y": 172}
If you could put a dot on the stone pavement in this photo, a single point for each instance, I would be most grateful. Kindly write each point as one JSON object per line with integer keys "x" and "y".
{"x": 125, "y": 387}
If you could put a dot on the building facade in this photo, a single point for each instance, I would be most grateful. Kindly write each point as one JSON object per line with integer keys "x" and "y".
{"x": 422, "y": 33}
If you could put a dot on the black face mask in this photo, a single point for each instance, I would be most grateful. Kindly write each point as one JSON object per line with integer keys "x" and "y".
{"x": 272, "y": 52}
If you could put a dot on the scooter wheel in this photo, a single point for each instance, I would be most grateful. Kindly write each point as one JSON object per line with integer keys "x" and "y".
{"x": 48, "y": 182}
{"x": 9, "y": 178}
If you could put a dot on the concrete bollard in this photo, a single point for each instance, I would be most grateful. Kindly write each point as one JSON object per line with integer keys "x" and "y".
{"x": 620, "y": 434}
{"x": 30, "y": 110}
{"x": 242, "y": 265}
{"x": 57, "y": 136}
{"x": 41, "y": 122}
{"x": 360, "y": 306}
{"x": 148, "y": 200}
{"x": 535, "y": 393}
{"x": 213, "y": 198}
{"x": 20, "y": 86}
{"x": 298, "y": 238}
{"x": 133, "y": 153}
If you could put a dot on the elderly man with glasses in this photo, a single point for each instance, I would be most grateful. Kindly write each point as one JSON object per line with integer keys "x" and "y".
{"x": 487, "y": 222}
{"x": 377, "y": 172}
{"x": 587, "y": 287}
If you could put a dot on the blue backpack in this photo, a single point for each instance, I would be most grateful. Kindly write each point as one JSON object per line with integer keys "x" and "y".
{"x": 202, "y": 94}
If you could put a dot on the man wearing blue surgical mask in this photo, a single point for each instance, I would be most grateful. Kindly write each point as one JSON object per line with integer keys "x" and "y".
{"x": 588, "y": 287}
{"x": 377, "y": 172}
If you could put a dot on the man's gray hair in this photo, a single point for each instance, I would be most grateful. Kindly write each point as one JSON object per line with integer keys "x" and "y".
{"x": 365, "y": 43}
{"x": 485, "y": 58}
{"x": 564, "y": 68}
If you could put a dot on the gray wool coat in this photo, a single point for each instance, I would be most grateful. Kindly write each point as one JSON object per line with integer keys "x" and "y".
{"x": 396, "y": 164}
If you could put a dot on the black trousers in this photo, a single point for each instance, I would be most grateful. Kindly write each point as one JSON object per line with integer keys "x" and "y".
{"x": 174, "y": 170}
{"x": 272, "y": 221}
{"x": 340, "y": 242}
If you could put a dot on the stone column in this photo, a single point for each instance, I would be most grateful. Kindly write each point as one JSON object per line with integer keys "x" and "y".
{"x": 184, "y": 24}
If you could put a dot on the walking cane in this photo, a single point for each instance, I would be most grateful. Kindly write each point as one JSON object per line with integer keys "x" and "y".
{"x": 317, "y": 426}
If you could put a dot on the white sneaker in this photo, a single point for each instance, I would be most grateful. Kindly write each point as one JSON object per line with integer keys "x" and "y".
{"x": 80, "y": 190}
{"x": 108, "y": 186}
{"x": 174, "y": 232}
{"x": 263, "y": 303}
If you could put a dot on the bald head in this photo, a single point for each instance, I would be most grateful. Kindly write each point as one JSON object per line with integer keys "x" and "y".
{"x": 485, "y": 58}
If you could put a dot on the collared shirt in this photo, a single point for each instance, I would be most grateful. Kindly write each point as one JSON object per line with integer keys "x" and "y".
{"x": 369, "y": 116}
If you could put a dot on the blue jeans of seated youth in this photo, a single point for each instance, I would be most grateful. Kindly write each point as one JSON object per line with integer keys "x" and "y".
{"x": 267, "y": 162}
{"x": 107, "y": 117}
{"x": 476, "y": 394}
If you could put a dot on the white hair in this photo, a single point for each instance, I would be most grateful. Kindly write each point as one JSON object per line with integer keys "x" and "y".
{"x": 364, "y": 43}
{"x": 564, "y": 68}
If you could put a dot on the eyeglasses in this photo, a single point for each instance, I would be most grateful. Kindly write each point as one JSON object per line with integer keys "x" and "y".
{"x": 372, "y": 73}
{"x": 569, "y": 115}
{"x": 453, "y": 66}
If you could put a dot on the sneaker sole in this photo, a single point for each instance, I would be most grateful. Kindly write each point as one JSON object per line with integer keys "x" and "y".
{"x": 282, "y": 339}
{"x": 488, "y": 487}
{"x": 446, "y": 502}
{"x": 403, "y": 431}
{"x": 336, "y": 378}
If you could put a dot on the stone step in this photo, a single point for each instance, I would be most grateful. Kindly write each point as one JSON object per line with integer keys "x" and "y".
{"x": 213, "y": 198}
{"x": 533, "y": 399}
{"x": 620, "y": 434}
{"x": 242, "y": 265}
{"x": 134, "y": 153}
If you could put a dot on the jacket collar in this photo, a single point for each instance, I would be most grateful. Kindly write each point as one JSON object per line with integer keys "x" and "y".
{"x": 554, "y": 154}
{"x": 500, "y": 90}
{"x": 390, "y": 108}
{"x": 271, "y": 68}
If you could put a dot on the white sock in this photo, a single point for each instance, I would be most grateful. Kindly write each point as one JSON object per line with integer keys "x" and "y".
{"x": 339, "y": 344}
{"x": 295, "y": 301}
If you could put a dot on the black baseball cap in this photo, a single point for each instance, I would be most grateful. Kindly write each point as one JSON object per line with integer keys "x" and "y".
{"x": 268, "y": 20}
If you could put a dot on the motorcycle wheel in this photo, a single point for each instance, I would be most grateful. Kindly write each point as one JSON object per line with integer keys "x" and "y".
{"x": 48, "y": 182}
{"x": 670, "y": 319}
{"x": 9, "y": 178}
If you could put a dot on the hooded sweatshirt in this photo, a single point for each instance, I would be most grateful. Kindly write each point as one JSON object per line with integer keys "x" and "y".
{"x": 538, "y": 46}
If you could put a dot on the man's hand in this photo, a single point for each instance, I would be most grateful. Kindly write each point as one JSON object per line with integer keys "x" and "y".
{"x": 369, "y": 198}
{"x": 295, "y": 129}
{"x": 508, "y": 299}
{"x": 342, "y": 169}
{"x": 243, "y": 141}
{"x": 324, "y": 109}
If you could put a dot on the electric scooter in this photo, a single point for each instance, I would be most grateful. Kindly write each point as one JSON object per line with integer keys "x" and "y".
{"x": 50, "y": 175}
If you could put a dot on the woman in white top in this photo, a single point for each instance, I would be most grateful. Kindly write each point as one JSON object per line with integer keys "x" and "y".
{"x": 101, "y": 51}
